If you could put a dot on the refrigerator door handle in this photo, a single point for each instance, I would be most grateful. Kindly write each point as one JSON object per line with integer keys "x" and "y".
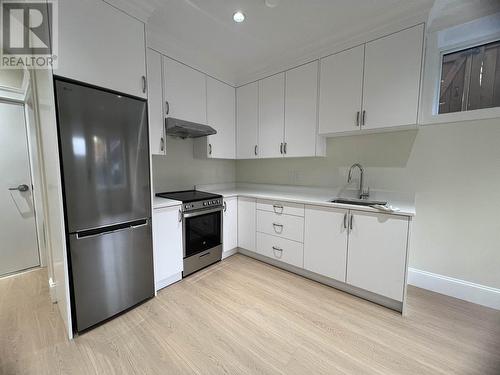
{"x": 111, "y": 229}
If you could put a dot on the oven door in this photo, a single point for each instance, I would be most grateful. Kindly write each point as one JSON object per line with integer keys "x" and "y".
{"x": 202, "y": 231}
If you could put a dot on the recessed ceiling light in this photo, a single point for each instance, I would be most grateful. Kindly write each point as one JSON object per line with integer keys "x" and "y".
{"x": 238, "y": 17}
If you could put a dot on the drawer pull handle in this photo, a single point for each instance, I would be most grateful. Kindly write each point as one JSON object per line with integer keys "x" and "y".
{"x": 278, "y": 207}
{"x": 279, "y": 226}
{"x": 278, "y": 253}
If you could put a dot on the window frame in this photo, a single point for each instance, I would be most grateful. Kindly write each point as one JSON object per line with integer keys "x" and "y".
{"x": 442, "y": 42}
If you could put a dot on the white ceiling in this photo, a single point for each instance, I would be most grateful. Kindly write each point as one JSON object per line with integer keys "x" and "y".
{"x": 202, "y": 32}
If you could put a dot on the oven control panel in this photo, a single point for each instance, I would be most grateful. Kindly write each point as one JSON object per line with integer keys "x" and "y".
{"x": 202, "y": 204}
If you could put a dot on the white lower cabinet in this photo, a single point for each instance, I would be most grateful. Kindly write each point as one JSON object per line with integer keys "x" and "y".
{"x": 282, "y": 249}
{"x": 230, "y": 225}
{"x": 246, "y": 223}
{"x": 377, "y": 253}
{"x": 167, "y": 246}
{"x": 286, "y": 226}
{"x": 325, "y": 241}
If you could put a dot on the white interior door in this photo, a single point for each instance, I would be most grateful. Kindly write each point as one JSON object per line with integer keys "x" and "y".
{"x": 18, "y": 243}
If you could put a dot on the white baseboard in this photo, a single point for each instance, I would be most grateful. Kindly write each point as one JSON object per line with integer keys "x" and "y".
{"x": 168, "y": 281}
{"x": 465, "y": 290}
{"x": 228, "y": 253}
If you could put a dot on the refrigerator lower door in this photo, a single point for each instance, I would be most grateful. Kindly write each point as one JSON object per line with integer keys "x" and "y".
{"x": 111, "y": 272}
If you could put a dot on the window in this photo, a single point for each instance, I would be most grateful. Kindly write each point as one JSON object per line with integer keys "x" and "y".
{"x": 470, "y": 79}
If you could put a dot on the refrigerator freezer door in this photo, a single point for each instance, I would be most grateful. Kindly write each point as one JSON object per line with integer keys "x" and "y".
{"x": 105, "y": 156}
{"x": 111, "y": 272}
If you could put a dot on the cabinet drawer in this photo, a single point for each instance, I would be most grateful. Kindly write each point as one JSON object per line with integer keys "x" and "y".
{"x": 286, "y": 226}
{"x": 281, "y": 249}
{"x": 281, "y": 208}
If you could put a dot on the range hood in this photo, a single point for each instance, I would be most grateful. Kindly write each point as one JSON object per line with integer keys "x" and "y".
{"x": 187, "y": 129}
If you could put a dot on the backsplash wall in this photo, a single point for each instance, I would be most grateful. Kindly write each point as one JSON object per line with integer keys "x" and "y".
{"x": 179, "y": 170}
{"x": 444, "y": 165}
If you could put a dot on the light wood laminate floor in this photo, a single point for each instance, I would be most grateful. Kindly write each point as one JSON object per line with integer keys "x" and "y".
{"x": 242, "y": 316}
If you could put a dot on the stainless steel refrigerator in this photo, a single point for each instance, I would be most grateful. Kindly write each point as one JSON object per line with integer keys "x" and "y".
{"x": 104, "y": 150}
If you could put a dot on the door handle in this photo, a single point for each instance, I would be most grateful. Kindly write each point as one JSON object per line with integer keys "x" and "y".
{"x": 167, "y": 104}
{"x": 209, "y": 149}
{"x": 144, "y": 84}
{"x": 225, "y": 206}
{"x": 357, "y": 118}
{"x": 351, "y": 222}
{"x": 345, "y": 220}
{"x": 22, "y": 188}
{"x": 363, "y": 118}
{"x": 162, "y": 144}
{"x": 180, "y": 216}
{"x": 255, "y": 150}
{"x": 284, "y": 147}
{"x": 281, "y": 148}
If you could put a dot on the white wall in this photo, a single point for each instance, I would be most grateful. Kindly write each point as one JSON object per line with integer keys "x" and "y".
{"x": 179, "y": 170}
{"x": 454, "y": 170}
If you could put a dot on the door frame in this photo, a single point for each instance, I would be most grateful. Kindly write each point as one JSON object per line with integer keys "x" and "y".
{"x": 38, "y": 204}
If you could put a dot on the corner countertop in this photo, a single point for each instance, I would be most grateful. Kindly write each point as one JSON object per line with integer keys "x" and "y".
{"x": 403, "y": 203}
{"x": 159, "y": 202}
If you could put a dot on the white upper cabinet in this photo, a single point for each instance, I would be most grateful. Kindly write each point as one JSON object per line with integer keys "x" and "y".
{"x": 325, "y": 241}
{"x": 301, "y": 111}
{"x": 102, "y": 46}
{"x": 377, "y": 253}
{"x": 185, "y": 91}
{"x": 221, "y": 116}
{"x": 155, "y": 102}
{"x": 271, "y": 116}
{"x": 247, "y": 121}
{"x": 392, "y": 79}
{"x": 341, "y": 89}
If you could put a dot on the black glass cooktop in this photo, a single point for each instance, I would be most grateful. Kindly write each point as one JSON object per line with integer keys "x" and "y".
{"x": 187, "y": 196}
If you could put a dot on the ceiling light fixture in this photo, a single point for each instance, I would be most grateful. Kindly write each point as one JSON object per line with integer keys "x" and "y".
{"x": 238, "y": 17}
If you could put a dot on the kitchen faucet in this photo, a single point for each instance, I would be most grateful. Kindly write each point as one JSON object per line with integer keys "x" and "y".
{"x": 362, "y": 193}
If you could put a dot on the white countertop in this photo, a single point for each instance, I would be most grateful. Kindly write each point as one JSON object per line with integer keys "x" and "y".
{"x": 159, "y": 202}
{"x": 403, "y": 202}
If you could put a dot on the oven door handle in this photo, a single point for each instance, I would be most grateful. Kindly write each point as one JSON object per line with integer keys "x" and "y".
{"x": 202, "y": 212}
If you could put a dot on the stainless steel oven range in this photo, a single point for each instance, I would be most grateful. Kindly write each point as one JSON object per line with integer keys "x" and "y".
{"x": 201, "y": 228}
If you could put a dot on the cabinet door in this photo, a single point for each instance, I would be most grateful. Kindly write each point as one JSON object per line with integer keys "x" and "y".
{"x": 101, "y": 45}
{"x": 377, "y": 253}
{"x": 301, "y": 110}
{"x": 185, "y": 92}
{"x": 325, "y": 241}
{"x": 221, "y": 116}
{"x": 167, "y": 245}
{"x": 155, "y": 103}
{"x": 341, "y": 88}
{"x": 247, "y": 121}
{"x": 392, "y": 79}
{"x": 230, "y": 224}
{"x": 271, "y": 115}
{"x": 246, "y": 223}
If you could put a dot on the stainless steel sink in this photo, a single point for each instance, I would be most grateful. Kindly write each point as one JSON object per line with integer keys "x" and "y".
{"x": 358, "y": 202}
